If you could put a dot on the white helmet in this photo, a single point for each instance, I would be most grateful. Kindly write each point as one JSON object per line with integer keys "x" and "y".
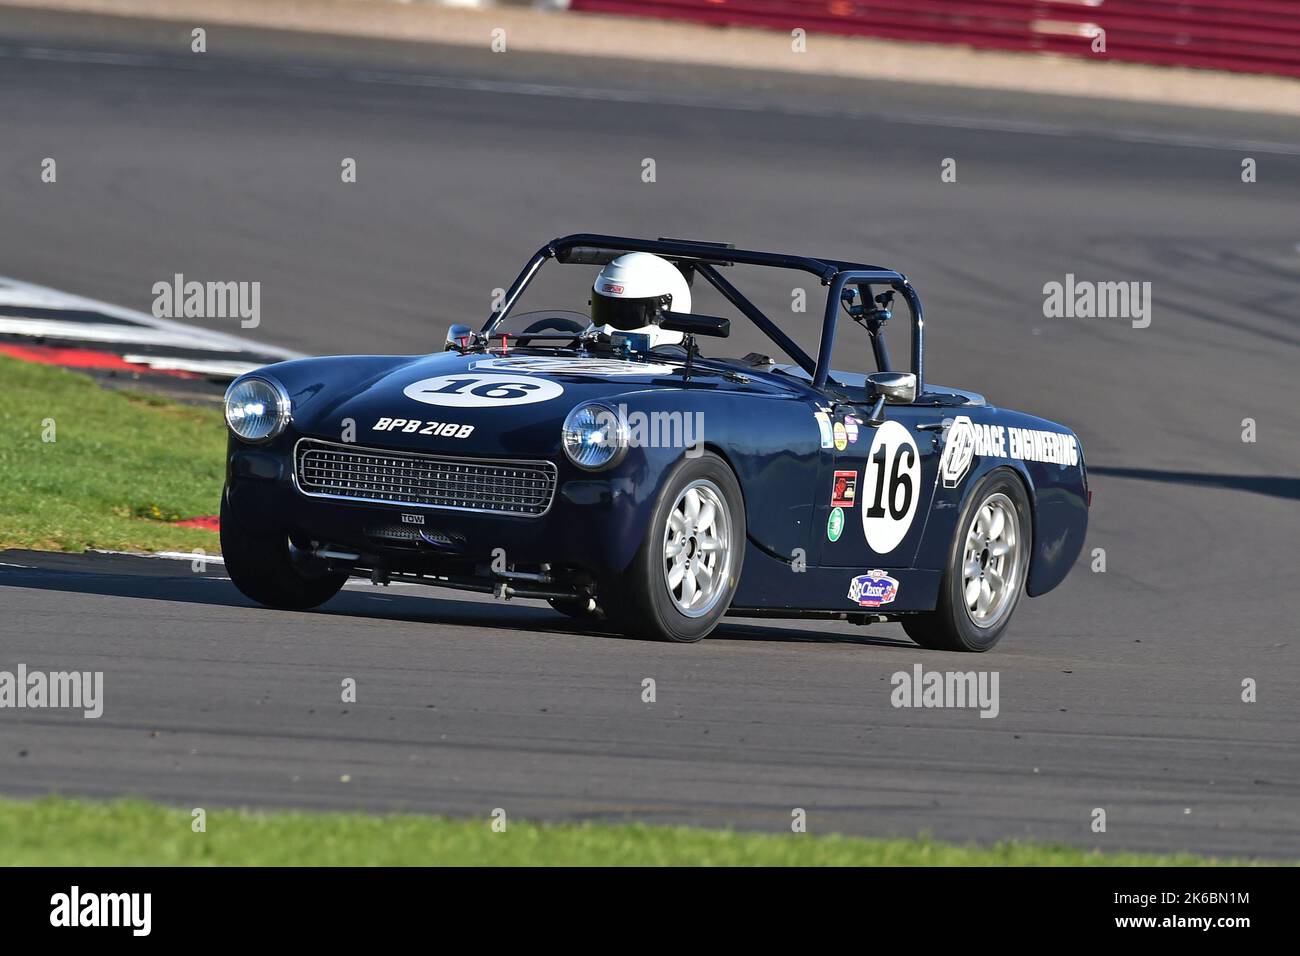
{"x": 632, "y": 290}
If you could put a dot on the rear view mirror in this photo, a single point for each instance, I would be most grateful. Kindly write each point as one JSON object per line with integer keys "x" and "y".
{"x": 692, "y": 324}
{"x": 896, "y": 388}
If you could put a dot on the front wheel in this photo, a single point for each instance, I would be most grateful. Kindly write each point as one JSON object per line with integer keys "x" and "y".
{"x": 685, "y": 573}
{"x": 987, "y": 566}
{"x": 268, "y": 568}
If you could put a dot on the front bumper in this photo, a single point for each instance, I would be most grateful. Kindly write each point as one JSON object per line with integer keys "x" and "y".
{"x": 595, "y": 521}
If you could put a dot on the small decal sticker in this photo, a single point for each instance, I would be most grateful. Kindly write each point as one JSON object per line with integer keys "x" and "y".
{"x": 844, "y": 491}
{"x": 851, "y": 426}
{"x": 958, "y": 450}
{"x": 835, "y": 524}
{"x": 412, "y": 519}
{"x": 841, "y": 437}
{"x": 873, "y": 589}
{"x": 477, "y": 390}
{"x": 824, "y": 426}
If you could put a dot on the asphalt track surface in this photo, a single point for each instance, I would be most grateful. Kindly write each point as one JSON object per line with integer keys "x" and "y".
{"x": 1120, "y": 690}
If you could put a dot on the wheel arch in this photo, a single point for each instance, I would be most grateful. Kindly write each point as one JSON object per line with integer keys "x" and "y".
{"x": 977, "y": 480}
{"x": 1058, "y": 522}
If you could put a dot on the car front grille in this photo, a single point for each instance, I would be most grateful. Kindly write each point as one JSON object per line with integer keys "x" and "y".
{"x": 328, "y": 470}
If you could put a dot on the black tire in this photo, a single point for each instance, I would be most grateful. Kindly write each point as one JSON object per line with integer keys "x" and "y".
{"x": 267, "y": 570}
{"x": 952, "y": 625}
{"x": 640, "y": 602}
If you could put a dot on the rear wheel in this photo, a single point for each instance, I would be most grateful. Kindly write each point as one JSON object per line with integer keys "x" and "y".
{"x": 987, "y": 566}
{"x": 268, "y": 568}
{"x": 685, "y": 573}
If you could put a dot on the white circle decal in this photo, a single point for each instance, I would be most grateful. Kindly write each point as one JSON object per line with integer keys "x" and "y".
{"x": 893, "y": 487}
{"x": 478, "y": 390}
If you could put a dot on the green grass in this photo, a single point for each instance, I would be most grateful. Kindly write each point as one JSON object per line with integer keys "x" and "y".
{"x": 55, "y": 831}
{"x": 121, "y": 467}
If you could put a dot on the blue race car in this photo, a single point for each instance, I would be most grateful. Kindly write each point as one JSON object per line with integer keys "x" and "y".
{"x": 602, "y": 463}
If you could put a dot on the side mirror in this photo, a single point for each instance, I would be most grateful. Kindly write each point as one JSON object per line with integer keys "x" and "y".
{"x": 896, "y": 388}
{"x": 458, "y": 337}
{"x": 692, "y": 324}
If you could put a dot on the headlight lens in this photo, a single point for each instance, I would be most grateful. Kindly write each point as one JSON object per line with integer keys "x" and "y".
{"x": 594, "y": 436}
{"x": 256, "y": 409}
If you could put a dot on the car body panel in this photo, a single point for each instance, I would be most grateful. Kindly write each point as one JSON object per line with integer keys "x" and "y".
{"x": 598, "y": 519}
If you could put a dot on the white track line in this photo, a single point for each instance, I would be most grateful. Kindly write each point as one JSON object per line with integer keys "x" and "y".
{"x": 353, "y": 583}
{"x": 176, "y": 556}
{"x": 202, "y": 366}
{"x": 150, "y": 330}
{"x": 166, "y": 555}
{"x": 103, "y": 332}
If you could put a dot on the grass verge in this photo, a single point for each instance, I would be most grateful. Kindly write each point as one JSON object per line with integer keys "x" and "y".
{"x": 56, "y": 831}
{"x": 119, "y": 469}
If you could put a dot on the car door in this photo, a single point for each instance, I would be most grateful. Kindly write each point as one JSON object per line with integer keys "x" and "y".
{"x": 878, "y": 484}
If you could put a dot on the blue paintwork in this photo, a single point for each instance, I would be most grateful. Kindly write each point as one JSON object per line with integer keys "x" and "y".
{"x": 763, "y": 427}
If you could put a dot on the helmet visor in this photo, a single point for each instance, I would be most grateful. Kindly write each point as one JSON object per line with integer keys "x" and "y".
{"x": 625, "y": 314}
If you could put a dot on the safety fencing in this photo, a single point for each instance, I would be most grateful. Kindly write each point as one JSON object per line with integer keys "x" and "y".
{"x": 1251, "y": 36}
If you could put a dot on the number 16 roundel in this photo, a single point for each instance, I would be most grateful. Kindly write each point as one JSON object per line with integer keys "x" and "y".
{"x": 893, "y": 487}
{"x": 477, "y": 390}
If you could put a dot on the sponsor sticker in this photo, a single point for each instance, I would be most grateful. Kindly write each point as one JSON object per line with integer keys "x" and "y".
{"x": 479, "y": 390}
{"x": 873, "y": 589}
{"x": 835, "y": 524}
{"x": 824, "y": 426}
{"x": 841, "y": 437}
{"x": 844, "y": 490}
{"x": 957, "y": 452}
{"x": 966, "y": 439}
{"x": 851, "y": 426}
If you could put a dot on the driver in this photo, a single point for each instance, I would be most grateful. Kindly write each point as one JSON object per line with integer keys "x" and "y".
{"x": 630, "y": 293}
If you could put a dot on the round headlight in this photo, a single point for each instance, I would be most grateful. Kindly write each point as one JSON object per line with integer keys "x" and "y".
{"x": 257, "y": 409}
{"x": 594, "y": 436}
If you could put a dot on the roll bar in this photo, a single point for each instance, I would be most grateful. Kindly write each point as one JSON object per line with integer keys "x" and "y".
{"x": 706, "y": 258}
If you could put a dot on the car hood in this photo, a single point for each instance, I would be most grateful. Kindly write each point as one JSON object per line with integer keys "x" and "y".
{"x": 485, "y": 403}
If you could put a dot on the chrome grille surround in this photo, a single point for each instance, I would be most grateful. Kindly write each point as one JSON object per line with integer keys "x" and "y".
{"x": 414, "y": 480}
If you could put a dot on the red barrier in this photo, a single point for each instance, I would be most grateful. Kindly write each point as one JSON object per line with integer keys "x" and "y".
{"x": 1251, "y": 36}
